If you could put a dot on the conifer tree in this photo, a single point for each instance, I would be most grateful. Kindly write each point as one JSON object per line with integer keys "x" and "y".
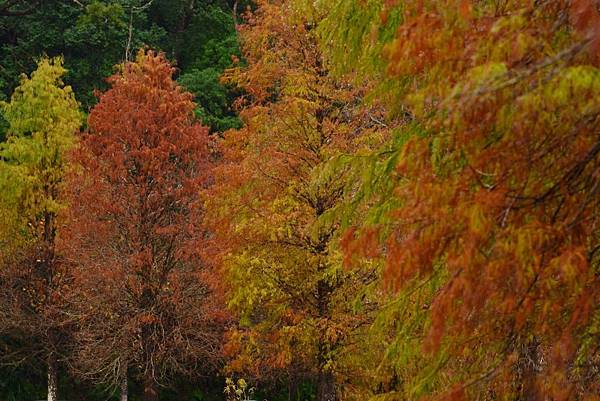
{"x": 43, "y": 118}
{"x": 496, "y": 187}
{"x": 273, "y": 212}
{"x": 135, "y": 234}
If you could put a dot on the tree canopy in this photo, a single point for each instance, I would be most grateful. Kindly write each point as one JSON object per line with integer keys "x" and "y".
{"x": 300, "y": 200}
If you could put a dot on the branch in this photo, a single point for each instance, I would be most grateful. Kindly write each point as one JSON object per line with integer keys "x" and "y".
{"x": 8, "y": 9}
{"x": 234, "y": 11}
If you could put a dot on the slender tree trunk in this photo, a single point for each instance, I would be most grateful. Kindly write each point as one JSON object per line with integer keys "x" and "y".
{"x": 52, "y": 378}
{"x": 124, "y": 388}
{"x": 129, "y": 35}
{"x": 150, "y": 388}
{"x": 293, "y": 388}
{"x": 48, "y": 260}
{"x": 326, "y": 390}
{"x": 235, "y": 14}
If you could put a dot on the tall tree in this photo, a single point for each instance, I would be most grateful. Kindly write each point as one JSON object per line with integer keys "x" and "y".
{"x": 497, "y": 189}
{"x": 272, "y": 210}
{"x": 43, "y": 118}
{"x": 198, "y": 36}
{"x": 135, "y": 233}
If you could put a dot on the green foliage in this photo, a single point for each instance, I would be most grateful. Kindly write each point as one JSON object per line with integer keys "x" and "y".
{"x": 43, "y": 117}
{"x": 198, "y": 34}
{"x": 92, "y": 40}
{"x": 353, "y": 34}
{"x": 213, "y": 31}
{"x": 213, "y": 99}
{"x": 96, "y": 43}
{"x": 20, "y": 384}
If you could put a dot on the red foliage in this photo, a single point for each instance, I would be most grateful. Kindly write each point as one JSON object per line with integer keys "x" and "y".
{"x": 500, "y": 194}
{"x": 585, "y": 17}
{"x": 136, "y": 233}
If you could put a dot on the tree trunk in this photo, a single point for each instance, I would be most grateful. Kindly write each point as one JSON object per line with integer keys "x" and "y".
{"x": 150, "y": 388}
{"x": 235, "y": 14}
{"x": 52, "y": 378}
{"x": 529, "y": 366}
{"x": 124, "y": 389}
{"x": 326, "y": 390}
{"x": 293, "y": 388}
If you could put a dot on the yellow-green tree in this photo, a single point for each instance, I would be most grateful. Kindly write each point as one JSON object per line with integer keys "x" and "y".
{"x": 43, "y": 118}
{"x": 273, "y": 210}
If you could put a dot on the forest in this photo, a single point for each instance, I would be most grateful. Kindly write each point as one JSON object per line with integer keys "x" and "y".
{"x": 300, "y": 200}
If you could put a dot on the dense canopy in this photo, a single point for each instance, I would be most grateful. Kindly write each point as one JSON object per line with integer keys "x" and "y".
{"x": 328, "y": 200}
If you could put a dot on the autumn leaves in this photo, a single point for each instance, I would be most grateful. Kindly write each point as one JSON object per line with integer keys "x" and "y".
{"x": 44, "y": 118}
{"x": 108, "y": 276}
{"x": 409, "y": 211}
{"x": 134, "y": 230}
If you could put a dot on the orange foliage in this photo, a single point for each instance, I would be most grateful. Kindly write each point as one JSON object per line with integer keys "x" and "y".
{"x": 135, "y": 232}
{"x": 502, "y": 196}
{"x": 268, "y": 202}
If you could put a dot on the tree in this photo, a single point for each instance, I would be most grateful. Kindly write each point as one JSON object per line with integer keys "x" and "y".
{"x": 95, "y": 35}
{"x": 213, "y": 29}
{"x": 135, "y": 234}
{"x": 91, "y": 35}
{"x": 273, "y": 212}
{"x": 497, "y": 194}
{"x": 43, "y": 118}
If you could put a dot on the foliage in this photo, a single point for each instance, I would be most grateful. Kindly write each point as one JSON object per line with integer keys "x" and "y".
{"x": 294, "y": 301}
{"x": 96, "y": 42}
{"x": 43, "y": 118}
{"x": 237, "y": 390}
{"x": 135, "y": 232}
{"x": 213, "y": 99}
{"x": 94, "y": 36}
{"x": 407, "y": 207}
{"x": 353, "y": 37}
{"x": 214, "y": 29}
{"x": 91, "y": 38}
{"x": 497, "y": 196}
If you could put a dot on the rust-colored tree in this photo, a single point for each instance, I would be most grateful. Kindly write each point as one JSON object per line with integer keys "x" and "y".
{"x": 144, "y": 297}
{"x": 500, "y": 194}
